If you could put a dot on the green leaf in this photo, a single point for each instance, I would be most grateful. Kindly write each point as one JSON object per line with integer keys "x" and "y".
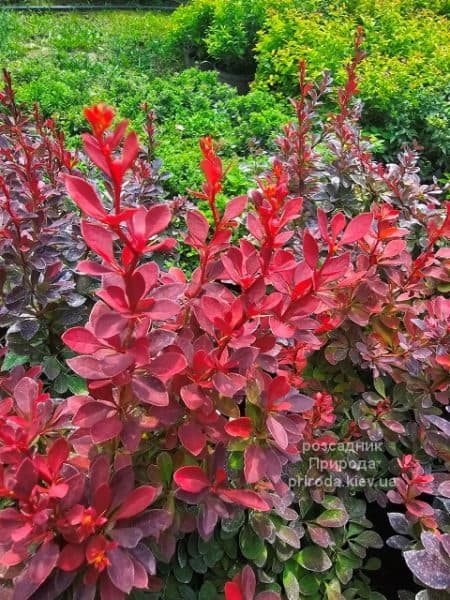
{"x": 164, "y": 462}
{"x": 331, "y": 502}
{"x": 343, "y": 570}
{"x": 373, "y": 564}
{"x": 208, "y": 591}
{"x": 192, "y": 545}
{"x": 51, "y": 367}
{"x": 349, "y": 559}
{"x": 354, "y": 529}
{"x": 230, "y": 547}
{"x": 369, "y": 539}
{"x": 314, "y": 559}
{"x": 332, "y": 518}
{"x": 308, "y": 584}
{"x": 379, "y": 386}
{"x": 233, "y": 525}
{"x": 198, "y": 564}
{"x": 236, "y": 461}
{"x": 12, "y": 360}
{"x": 211, "y": 551}
{"x": 61, "y": 384}
{"x": 182, "y": 574}
{"x": 77, "y": 385}
{"x": 290, "y": 584}
{"x": 182, "y": 555}
{"x": 356, "y": 507}
{"x": 333, "y": 589}
{"x": 289, "y": 536}
{"x": 263, "y": 526}
{"x": 187, "y": 593}
{"x": 305, "y": 504}
{"x": 357, "y": 549}
{"x": 252, "y": 547}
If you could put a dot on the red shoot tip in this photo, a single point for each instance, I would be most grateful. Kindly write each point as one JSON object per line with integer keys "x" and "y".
{"x": 100, "y": 116}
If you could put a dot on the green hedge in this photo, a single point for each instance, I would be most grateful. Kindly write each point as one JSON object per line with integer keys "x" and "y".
{"x": 405, "y": 78}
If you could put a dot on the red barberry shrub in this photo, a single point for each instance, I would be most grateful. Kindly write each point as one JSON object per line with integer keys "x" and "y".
{"x": 40, "y": 240}
{"x": 237, "y": 421}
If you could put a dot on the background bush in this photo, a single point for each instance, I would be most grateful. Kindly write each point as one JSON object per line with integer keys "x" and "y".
{"x": 67, "y": 61}
{"x": 404, "y": 79}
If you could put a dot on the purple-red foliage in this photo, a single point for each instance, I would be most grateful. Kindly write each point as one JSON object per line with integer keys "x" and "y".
{"x": 39, "y": 234}
{"x": 203, "y": 368}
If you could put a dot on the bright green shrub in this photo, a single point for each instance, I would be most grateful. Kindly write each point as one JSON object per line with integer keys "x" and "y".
{"x": 224, "y": 31}
{"x": 191, "y": 22}
{"x": 232, "y": 34}
{"x": 192, "y": 104}
{"x": 404, "y": 79}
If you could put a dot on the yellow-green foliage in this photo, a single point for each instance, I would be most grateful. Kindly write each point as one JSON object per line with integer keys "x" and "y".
{"x": 405, "y": 78}
{"x": 407, "y": 50}
{"x": 222, "y": 30}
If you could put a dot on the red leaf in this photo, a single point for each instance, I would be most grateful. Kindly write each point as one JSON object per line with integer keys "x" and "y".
{"x": 241, "y": 427}
{"x": 337, "y": 224}
{"x": 43, "y": 562}
{"x": 191, "y": 479}
{"x": 92, "y": 149}
{"x": 394, "y": 426}
{"x": 357, "y": 228}
{"x": 85, "y": 197}
{"x": 167, "y": 365}
{"x": 89, "y": 367}
{"x": 278, "y": 432}
{"x": 233, "y": 591}
{"x": 419, "y": 508}
{"x": 107, "y": 429}
{"x": 394, "y": 248}
{"x": 80, "y": 339}
{"x": 163, "y": 309}
{"x": 130, "y": 150}
{"x": 323, "y": 224}
{"x": 115, "y": 297}
{"x": 90, "y": 413}
{"x": 198, "y": 228}
{"x": 246, "y": 498}
{"x": 90, "y": 267}
{"x": 57, "y": 455}
{"x": 25, "y": 393}
{"x": 254, "y": 464}
{"x": 192, "y": 438}
{"x": 135, "y": 289}
{"x": 150, "y": 390}
{"x": 310, "y": 249}
{"x": 120, "y": 571}
{"x": 158, "y": 218}
{"x": 235, "y": 207}
{"x": 108, "y": 324}
{"x": 99, "y": 240}
{"x": 193, "y": 396}
{"x": 71, "y": 557}
{"x": 333, "y": 268}
{"x": 443, "y": 360}
{"x": 136, "y": 502}
{"x": 228, "y": 384}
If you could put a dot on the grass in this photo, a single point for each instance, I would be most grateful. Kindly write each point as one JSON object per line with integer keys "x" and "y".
{"x": 68, "y": 61}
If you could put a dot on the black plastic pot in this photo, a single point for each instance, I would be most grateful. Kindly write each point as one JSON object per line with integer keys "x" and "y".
{"x": 189, "y": 57}
{"x": 240, "y": 81}
{"x": 237, "y": 80}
